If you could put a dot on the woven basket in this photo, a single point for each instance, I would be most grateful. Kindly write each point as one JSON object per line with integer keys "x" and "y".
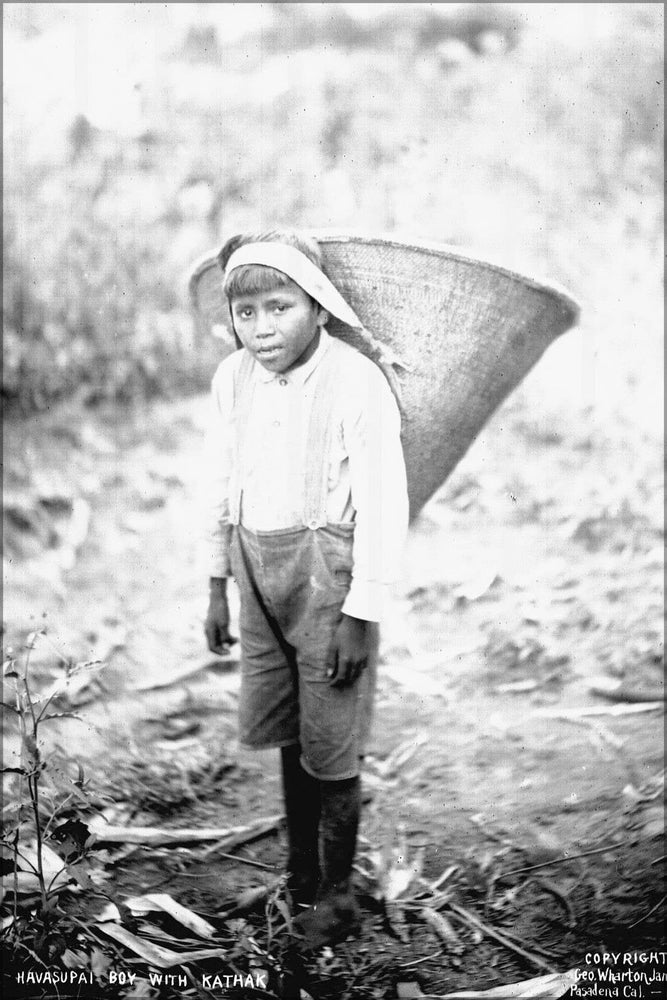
{"x": 461, "y": 333}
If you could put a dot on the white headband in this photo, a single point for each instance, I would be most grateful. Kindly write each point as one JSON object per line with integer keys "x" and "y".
{"x": 301, "y": 270}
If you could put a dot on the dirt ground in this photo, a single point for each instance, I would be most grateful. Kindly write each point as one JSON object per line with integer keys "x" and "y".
{"x": 534, "y": 575}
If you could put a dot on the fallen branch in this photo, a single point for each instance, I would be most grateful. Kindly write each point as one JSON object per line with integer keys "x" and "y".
{"x": 238, "y": 858}
{"x": 443, "y": 929}
{"x": 155, "y": 901}
{"x": 652, "y": 910}
{"x": 156, "y": 837}
{"x": 418, "y": 961}
{"x": 179, "y": 675}
{"x": 477, "y": 924}
{"x": 616, "y": 690}
{"x": 155, "y": 955}
{"x": 433, "y": 886}
{"x": 556, "y": 985}
{"x": 559, "y": 861}
{"x": 561, "y": 896}
{"x": 576, "y": 713}
{"x": 536, "y": 949}
{"x": 395, "y": 761}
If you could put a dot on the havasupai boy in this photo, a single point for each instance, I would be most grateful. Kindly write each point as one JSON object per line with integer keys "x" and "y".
{"x": 309, "y": 514}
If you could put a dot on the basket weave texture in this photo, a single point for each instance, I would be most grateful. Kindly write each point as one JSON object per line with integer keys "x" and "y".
{"x": 461, "y": 333}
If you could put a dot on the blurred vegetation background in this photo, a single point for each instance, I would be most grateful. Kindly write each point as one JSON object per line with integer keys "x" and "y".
{"x": 138, "y": 136}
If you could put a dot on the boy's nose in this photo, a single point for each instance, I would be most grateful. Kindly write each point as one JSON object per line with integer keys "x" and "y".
{"x": 265, "y": 327}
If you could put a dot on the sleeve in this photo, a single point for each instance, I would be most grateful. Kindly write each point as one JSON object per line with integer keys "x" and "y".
{"x": 372, "y": 438}
{"x": 218, "y": 457}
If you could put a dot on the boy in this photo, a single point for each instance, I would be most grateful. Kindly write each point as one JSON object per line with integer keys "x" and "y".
{"x": 309, "y": 513}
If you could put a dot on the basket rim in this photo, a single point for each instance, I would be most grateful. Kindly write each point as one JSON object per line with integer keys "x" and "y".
{"x": 466, "y": 255}
{"x": 435, "y": 249}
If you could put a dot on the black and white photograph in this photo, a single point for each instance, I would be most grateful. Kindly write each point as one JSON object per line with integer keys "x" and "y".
{"x": 333, "y": 501}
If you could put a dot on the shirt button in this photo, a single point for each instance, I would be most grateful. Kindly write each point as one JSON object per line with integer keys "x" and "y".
{"x": 313, "y": 525}
{"x": 276, "y": 423}
{"x": 283, "y": 381}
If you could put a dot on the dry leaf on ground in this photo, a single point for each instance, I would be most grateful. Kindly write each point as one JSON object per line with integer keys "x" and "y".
{"x": 545, "y": 987}
{"x": 156, "y": 901}
{"x": 157, "y": 836}
{"x": 161, "y": 958}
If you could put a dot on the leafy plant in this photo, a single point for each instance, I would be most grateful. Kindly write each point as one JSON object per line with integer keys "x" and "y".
{"x": 46, "y": 845}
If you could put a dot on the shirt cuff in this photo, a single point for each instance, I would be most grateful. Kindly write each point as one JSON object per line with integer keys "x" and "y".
{"x": 368, "y": 600}
{"x": 219, "y": 568}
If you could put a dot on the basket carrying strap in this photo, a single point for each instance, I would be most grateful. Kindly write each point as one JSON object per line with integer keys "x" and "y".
{"x": 320, "y": 432}
{"x": 315, "y": 460}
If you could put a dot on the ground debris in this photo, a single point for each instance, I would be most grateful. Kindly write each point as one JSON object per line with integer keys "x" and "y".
{"x": 181, "y": 671}
{"x": 391, "y": 766}
{"x": 479, "y": 925}
{"x": 154, "y": 954}
{"x": 157, "y": 836}
{"x": 161, "y": 901}
{"x": 443, "y": 928}
{"x": 584, "y": 710}
{"x": 555, "y": 890}
{"x": 618, "y": 690}
{"x": 545, "y": 987}
{"x": 392, "y": 869}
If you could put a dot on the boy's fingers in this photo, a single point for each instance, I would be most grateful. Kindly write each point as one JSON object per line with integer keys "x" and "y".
{"x": 214, "y": 643}
{"x": 223, "y": 644}
{"x": 332, "y": 670}
{"x": 356, "y": 670}
{"x": 218, "y": 640}
{"x": 347, "y": 674}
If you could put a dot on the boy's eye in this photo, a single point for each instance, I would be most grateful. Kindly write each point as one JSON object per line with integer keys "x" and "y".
{"x": 244, "y": 313}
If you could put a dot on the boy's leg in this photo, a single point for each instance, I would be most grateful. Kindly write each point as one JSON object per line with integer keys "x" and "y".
{"x": 305, "y": 578}
{"x": 335, "y": 913}
{"x": 341, "y": 801}
{"x": 302, "y": 807}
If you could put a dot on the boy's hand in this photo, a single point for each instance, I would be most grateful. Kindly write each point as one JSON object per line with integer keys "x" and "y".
{"x": 352, "y": 646}
{"x": 216, "y": 625}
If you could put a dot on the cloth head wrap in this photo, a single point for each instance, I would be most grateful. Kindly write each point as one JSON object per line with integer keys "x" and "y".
{"x": 302, "y": 271}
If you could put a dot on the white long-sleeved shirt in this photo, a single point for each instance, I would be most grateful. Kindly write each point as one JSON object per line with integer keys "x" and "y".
{"x": 367, "y": 482}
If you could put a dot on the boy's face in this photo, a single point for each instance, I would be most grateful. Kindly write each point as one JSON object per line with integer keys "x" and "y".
{"x": 280, "y": 328}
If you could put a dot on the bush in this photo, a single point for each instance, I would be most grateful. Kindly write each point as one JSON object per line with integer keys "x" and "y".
{"x": 542, "y": 152}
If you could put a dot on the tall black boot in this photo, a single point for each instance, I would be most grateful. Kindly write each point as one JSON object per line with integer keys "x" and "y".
{"x": 302, "y": 807}
{"x": 341, "y": 804}
{"x": 335, "y": 913}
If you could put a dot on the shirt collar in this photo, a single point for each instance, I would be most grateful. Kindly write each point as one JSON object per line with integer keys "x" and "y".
{"x": 299, "y": 375}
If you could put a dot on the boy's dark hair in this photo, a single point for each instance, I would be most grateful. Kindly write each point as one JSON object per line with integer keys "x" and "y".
{"x": 250, "y": 279}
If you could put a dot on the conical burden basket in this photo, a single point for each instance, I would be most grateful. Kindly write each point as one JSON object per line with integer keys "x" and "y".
{"x": 461, "y": 334}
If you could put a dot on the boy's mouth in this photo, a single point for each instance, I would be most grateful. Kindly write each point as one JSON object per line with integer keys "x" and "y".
{"x": 268, "y": 352}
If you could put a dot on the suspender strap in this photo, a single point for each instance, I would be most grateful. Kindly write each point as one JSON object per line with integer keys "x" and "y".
{"x": 320, "y": 432}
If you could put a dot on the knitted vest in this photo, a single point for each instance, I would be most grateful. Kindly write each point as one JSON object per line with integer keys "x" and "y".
{"x": 318, "y": 441}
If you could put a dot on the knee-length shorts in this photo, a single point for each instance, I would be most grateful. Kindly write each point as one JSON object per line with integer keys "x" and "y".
{"x": 292, "y": 586}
